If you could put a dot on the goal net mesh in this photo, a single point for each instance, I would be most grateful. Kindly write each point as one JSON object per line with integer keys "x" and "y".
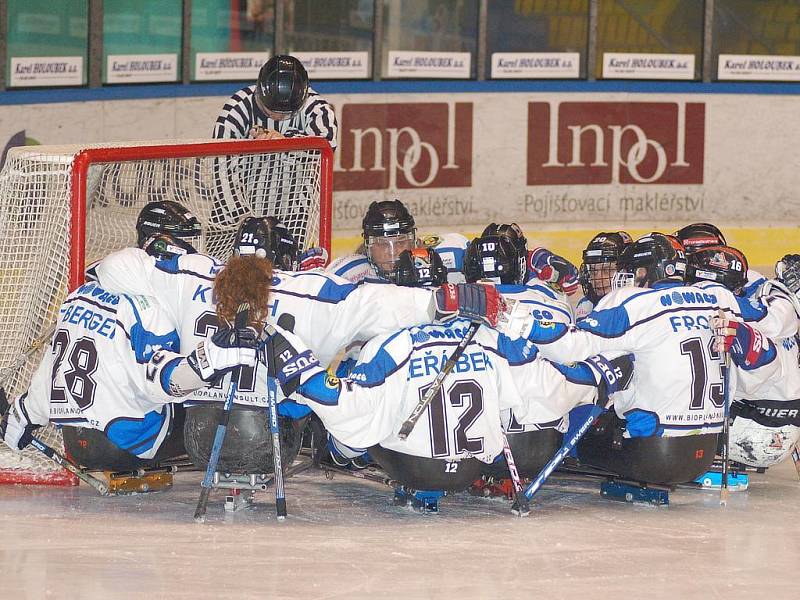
{"x": 219, "y": 184}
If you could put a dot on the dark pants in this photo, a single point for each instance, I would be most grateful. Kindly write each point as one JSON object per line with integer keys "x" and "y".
{"x": 420, "y": 473}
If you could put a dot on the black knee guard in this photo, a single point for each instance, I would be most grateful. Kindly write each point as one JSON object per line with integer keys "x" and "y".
{"x": 664, "y": 460}
{"x": 248, "y": 443}
{"x": 419, "y": 473}
{"x": 92, "y": 450}
{"x": 532, "y": 450}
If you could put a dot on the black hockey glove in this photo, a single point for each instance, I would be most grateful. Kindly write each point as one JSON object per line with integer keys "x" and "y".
{"x": 227, "y": 349}
{"x": 614, "y": 375}
{"x": 288, "y": 359}
{"x": 787, "y": 270}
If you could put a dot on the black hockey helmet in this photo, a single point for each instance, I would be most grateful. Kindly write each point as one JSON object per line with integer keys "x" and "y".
{"x": 600, "y": 263}
{"x": 700, "y": 235}
{"x": 166, "y": 216}
{"x": 500, "y": 254}
{"x": 721, "y": 264}
{"x": 388, "y": 229}
{"x": 420, "y": 267}
{"x": 650, "y": 259}
{"x": 282, "y": 85}
{"x": 266, "y": 237}
{"x": 165, "y": 246}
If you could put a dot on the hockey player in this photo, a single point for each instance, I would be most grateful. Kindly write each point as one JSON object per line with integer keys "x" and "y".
{"x": 330, "y": 312}
{"x": 167, "y": 216}
{"x": 280, "y": 105}
{"x": 113, "y": 366}
{"x": 598, "y": 268}
{"x": 460, "y": 432}
{"x": 697, "y": 236}
{"x": 388, "y": 229}
{"x": 764, "y": 413}
{"x": 665, "y": 431}
{"x": 500, "y": 255}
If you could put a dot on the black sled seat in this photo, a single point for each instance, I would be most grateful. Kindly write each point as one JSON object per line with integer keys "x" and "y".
{"x": 248, "y": 443}
{"x": 532, "y": 450}
{"x": 92, "y": 450}
{"x": 421, "y": 473}
{"x": 658, "y": 460}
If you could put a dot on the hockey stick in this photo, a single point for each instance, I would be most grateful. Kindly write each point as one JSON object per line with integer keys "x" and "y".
{"x": 411, "y": 421}
{"x": 222, "y": 426}
{"x": 69, "y": 465}
{"x": 35, "y": 346}
{"x": 565, "y": 449}
{"x": 726, "y": 379}
{"x": 521, "y": 507}
{"x": 285, "y": 321}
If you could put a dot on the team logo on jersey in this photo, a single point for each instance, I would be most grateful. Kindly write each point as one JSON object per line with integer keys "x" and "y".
{"x": 431, "y": 241}
{"x": 332, "y": 382}
{"x": 420, "y": 337}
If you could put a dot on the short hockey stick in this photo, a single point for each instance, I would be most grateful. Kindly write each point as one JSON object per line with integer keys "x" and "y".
{"x": 521, "y": 507}
{"x": 285, "y": 321}
{"x": 565, "y": 449}
{"x": 411, "y": 421}
{"x": 69, "y": 465}
{"x": 726, "y": 380}
{"x": 219, "y": 437}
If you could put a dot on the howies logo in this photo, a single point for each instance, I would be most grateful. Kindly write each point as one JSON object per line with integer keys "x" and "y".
{"x": 615, "y": 142}
{"x": 404, "y": 146}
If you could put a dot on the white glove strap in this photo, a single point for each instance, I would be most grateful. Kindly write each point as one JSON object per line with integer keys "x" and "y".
{"x": 212, "y": 359}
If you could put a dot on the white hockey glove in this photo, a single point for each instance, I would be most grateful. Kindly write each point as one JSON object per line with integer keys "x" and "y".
{"x": 227, "y": 349}
{"x": 787, "y": 270}
{"x": 515, "y": 321}
{"x": 15, "y": 428}
{"x": 289, "y": 360}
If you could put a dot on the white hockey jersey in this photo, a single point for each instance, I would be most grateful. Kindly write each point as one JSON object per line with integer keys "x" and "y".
{"x": 772, "y": 309}
{"x": 495, "y": 373}
{"x": 677, "y": 377}
{"x": 451, "y": 247}
{"x": 329, "y": 312}
{"x": 95, "y": 371}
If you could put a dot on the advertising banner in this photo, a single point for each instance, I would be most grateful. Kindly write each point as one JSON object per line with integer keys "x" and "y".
{"x": 625, "y": 65}
{"x": 335, "y": 65}
{"x": 228, "y": 66}
{"x": 30, "y": 71}
{"x": 438, "y": 65}
{"x": 536, "y": 65}
{"x": 746, "y": 67}
{"x": 141, "y": 68}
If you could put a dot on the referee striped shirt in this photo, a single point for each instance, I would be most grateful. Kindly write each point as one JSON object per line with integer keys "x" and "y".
{"x": 241, "y": 113}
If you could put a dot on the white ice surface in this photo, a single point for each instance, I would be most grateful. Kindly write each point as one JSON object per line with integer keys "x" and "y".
{"x": 344, "y": 539}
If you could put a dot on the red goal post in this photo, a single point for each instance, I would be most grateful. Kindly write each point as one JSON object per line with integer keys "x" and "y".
{"x": 63, "y": 207}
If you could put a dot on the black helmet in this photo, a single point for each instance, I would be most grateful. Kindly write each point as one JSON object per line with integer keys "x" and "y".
{"x": 722, "y": 264}
{"x": 600, "y": 263}
{"x": 165, "y": 246}
{"x": 388, "y": 229}
{"x": 282, "y": 85}
{"x": 420, "y": 267}
{"x": 700, "y": 235}
{"x": 266, "y": 237}
{"x": 650, "y": 259}
{"x": 166, "y": 216}
{"x": 500, "y": 255}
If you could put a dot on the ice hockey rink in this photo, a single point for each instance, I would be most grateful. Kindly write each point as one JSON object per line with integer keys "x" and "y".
{"x": 344, "y": 539}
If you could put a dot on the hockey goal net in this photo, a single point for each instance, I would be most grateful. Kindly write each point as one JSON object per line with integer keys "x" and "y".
{"x": 64, "y": 207}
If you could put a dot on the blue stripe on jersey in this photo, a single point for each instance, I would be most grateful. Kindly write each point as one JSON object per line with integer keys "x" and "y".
{"x": 293, "y": 410}
{"x": 350, "y": 265}
{"x": 144, "y": 342}
{"x": 752, "y": 310}
{"x": 534, "y": 285}
{"x": 751, "y": 288}
{"x": 643, "y": 423}
{"x": 518, "y": 351}
{"x": 170, "y": 265}
{"x": 322, "y": 389}
{"x": 166, "y": 374}
{"x": 579, "y": 373}
{"x": 609, "y": 322}
{"x": 136, "y": 435}
{"x": 375, "y": 371}
{"x": 330, "y": 292}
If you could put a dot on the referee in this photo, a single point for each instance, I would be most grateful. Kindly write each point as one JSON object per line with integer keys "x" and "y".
{"x": 280, "y": 105}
